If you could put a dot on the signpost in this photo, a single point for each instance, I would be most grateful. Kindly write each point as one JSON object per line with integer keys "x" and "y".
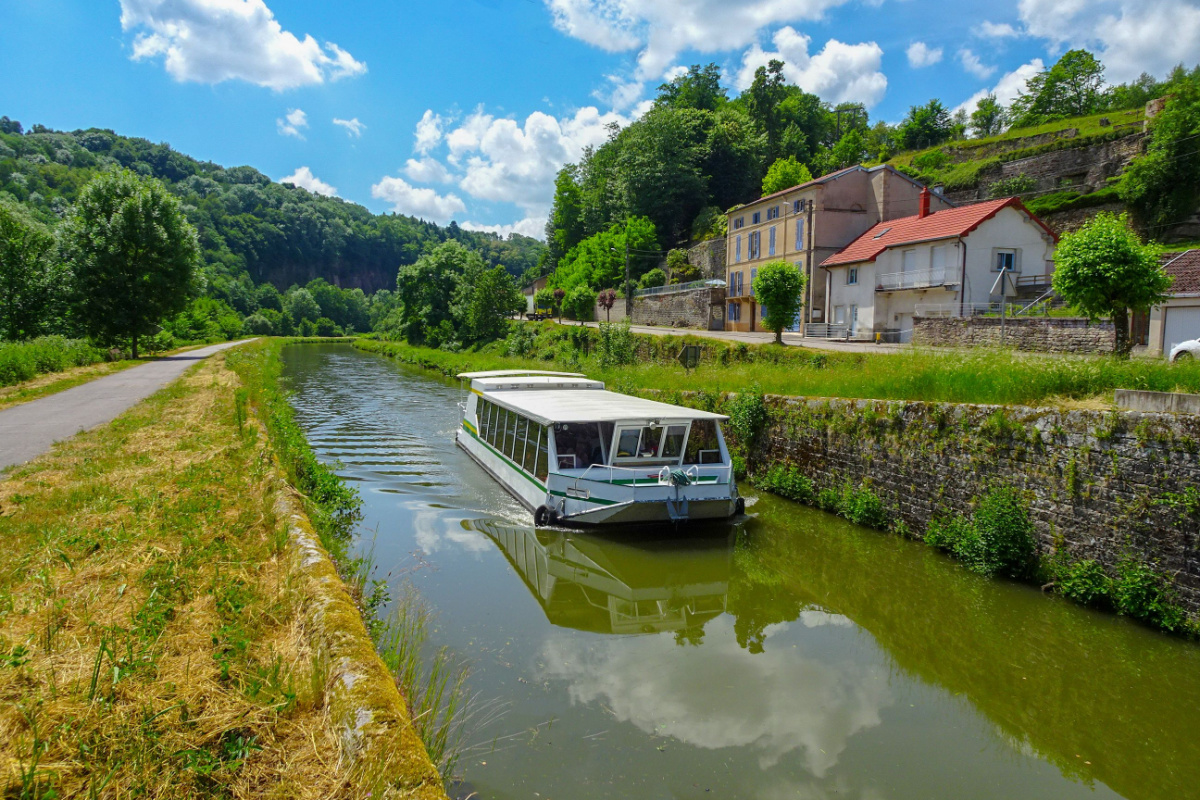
{"x": 1003, "y": 283}
{"x": 689, "y": 356}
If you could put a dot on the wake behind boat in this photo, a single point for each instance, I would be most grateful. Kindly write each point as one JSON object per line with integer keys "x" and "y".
{"x": 575, "y": 453}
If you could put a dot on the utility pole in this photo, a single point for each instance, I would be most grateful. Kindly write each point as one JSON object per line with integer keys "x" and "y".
{"x": 628, "y": 282}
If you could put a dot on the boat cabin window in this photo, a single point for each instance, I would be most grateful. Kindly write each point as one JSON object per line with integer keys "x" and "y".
{"x": 579, "y": 444}
{"x": 657, "y": 443}
{"x": 703, "y": 447}
{"x": 521, "y": 440}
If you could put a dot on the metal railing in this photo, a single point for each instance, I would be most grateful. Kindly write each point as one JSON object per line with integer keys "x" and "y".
{"x": 955, "y": 309}
{"x": 826, "y": 330}
{"x": 658, "y": 473}
{"x": 914, "y": 279}
{"x": 675, "y": 288}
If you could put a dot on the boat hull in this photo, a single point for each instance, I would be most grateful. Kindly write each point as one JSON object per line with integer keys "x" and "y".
{"x": 586, "y": 503}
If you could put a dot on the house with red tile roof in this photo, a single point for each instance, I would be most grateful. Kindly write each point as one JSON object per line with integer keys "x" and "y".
{"x": 936, "y": 263}
{"x": 805, "y": 224}
{"x": 1178, "y": 319}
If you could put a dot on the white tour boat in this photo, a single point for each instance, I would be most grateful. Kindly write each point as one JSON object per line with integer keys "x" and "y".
{"x": 577, "y": 454}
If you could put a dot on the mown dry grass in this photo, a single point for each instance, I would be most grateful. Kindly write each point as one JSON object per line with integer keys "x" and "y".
{"x": 150, "y": 640}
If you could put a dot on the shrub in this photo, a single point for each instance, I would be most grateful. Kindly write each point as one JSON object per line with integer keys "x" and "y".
{"x": 654, "y": 277}
{"x": 580, "y": 303}
{"x": 327, "y": 327}
{"x": 20, "y": 361}
{"x": 786, "y": 482}
{"x": 934, "y": 159}
{"x": 997, "y": 540}
{"x": 617, "y": 344}
{"x": 1007, "y": 187}
{"x": 257, "y": 325}
{"x": 1085, "y": 582}
{"x": 1140, "y": 592}
{"x": 747, "y": 418}
{"x": 863, "y": 507}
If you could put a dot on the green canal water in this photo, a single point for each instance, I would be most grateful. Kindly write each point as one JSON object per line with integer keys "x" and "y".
{"x": 788, "y": 655}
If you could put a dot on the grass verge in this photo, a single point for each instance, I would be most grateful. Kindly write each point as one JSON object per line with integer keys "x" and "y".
{"x": 151, "y": 641}
{"x": 631, "y": 362}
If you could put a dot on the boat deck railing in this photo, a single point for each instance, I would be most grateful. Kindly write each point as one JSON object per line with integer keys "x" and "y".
{"x": 642, "y": 477}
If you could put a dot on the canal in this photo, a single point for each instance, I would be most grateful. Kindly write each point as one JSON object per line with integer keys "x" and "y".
{"x": 790, "y": 655}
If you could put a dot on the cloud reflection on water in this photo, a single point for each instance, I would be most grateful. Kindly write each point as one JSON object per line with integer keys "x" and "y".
{"x": 777, "y": 702}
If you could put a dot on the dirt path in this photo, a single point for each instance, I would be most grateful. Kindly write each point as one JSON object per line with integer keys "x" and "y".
{"x": 28, "y": 430}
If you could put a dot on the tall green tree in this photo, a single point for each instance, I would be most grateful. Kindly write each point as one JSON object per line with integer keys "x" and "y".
{"x": 134, "y": 255}
{"x": 32, "y": 281}
{"x": 1070, "y": 88}
{"x": 1104, "y": 270}
{"x": 784, "y": 174}
{"x": 1162, "y": 186}
{"x": 699, "y": 87}
{"x": 484, "y": 300}
{"x": 779, "y": 288}
{"x": 926, "y": 126}
{"x": 988, "y": 117}
{"x": 426, "y": 290}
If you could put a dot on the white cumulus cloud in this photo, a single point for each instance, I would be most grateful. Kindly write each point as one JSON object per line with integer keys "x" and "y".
{"x": 354, "y": 128}
{"x": 210, "y": 41}
{"x": 304, "y": 178}
{"x": 1008, "y": 87}
{"x": 291, "y": 123}
{"x": 426, "y": 170}
{"x": 922, "y": 55}
{"x": 534, "y": 227}
{"x": 1129, "y": 36}
{"x": 429, "y": 132}
{"x": 838, "y": 73}
{"x": 662, "y": 29}
{"x": 971, "y": 63}
{"x": 417, "y": 202}
{"x": 996, "y": 30}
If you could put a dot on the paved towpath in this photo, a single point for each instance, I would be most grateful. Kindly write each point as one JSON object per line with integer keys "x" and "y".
{"x": 30, "y": 429}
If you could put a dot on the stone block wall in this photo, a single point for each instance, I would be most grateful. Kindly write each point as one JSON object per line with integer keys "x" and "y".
{"x": 698, "y": 308}
{"x": 709, "y": 258}
{"x": 1100, "y": 485}
{"x": 1034, "y": 334}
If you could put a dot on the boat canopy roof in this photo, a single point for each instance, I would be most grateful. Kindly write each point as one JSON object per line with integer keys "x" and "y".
{"x": 505, "y": 373}
{"x": 591, "y": 405}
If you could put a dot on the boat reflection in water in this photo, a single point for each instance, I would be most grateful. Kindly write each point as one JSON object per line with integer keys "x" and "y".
{"x": 603, "y": 584}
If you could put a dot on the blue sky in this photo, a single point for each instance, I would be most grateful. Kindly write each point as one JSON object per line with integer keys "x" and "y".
{"x": 466, "y": 110}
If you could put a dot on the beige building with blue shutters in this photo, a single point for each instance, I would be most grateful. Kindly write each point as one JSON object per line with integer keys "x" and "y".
{"x": 805, "y": 225}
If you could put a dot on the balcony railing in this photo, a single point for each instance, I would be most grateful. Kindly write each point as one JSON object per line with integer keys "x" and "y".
{"x": 914, "y": 279}
{"x": 827, "y": 330}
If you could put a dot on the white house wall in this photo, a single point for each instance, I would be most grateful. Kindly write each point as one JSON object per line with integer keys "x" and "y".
{"x": 879, "y": 310}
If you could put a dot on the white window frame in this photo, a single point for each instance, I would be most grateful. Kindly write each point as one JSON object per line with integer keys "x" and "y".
{"x": 1013, "y": 252}
{"x": 852, "y": 276}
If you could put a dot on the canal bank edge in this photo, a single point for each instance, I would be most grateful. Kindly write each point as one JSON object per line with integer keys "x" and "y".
{"x": 1110, "y": 487}
{"x": 1113, "y": 487}
{"x": 386, "y": 757}
{"x": 379, "y": 744}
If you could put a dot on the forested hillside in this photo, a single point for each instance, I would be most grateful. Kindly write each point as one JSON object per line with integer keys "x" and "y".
{"x": 252, "y": 230}
{"x": 700, "y": 151}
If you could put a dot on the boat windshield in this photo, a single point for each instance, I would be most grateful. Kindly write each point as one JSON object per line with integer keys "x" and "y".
{"x": 581, "y": 444}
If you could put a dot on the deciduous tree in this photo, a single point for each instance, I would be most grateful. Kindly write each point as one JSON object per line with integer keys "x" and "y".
{"x": 784, "y": 174}
{"x": 134, "y": 255}
{"x": 1104, "y": 270}
{"x": 779, "y": 288}
{"x": 988, "y": 117}
{"x": 32, "y": 281}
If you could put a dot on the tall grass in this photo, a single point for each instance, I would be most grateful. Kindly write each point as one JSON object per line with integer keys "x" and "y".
{"x": 978, "y": 376}
{"x": 20, "y": 361}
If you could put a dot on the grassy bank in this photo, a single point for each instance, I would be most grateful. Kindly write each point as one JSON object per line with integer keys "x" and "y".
{"x": 631, "y": 362}
{"x": 149, "y": 644}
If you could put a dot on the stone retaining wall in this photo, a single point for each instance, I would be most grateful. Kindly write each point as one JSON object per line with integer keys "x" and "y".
{"x": 1101, "y": 485}
{"x": 1035, "y": 334}
{"x": 709, "y": 258}
{"x": 699, "y": 308}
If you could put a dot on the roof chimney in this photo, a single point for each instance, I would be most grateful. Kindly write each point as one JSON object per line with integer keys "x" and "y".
{"x": 924, "y": 212}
